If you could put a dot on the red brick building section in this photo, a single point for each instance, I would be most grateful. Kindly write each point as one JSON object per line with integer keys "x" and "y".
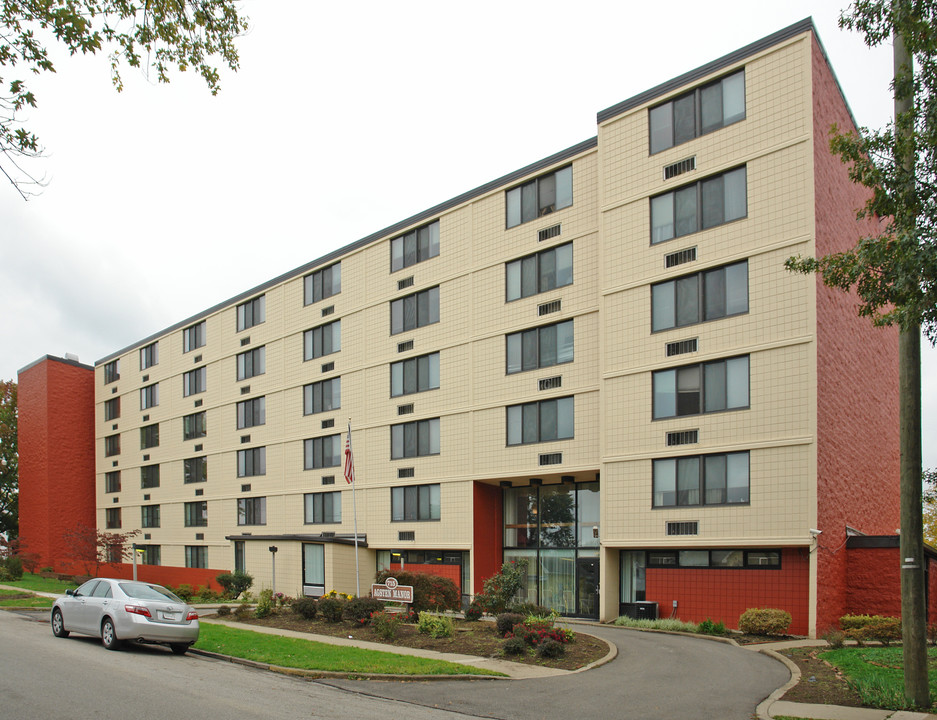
{"x": 56, "y": 447}
{"x": 874, "y": 570}
{"x": 857, "y": 431}
{"x": 487, "y": 533}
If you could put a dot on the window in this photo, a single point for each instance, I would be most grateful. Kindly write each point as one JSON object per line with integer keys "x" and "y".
{"x": 150, "y": 554}
{"x": 414, "y": 439}
{"x": 112, "y": 518}
{"x": 252, "y": 362}
{"x": 540, "y": 421}
{"x": 707, "y": 295}
{"x": 193, "y": 426}
{"x": 149, "y": 476}
{"x": 196, "y": 556}
{"x": 540, "y": 347}
{"x": 701, "y": 388}
{"x": 702, "y": 480}
{"x": 252, "y": 511}
{"x": 112, "y": 481}
{"x": 239, "y": 564}
{"x": 322, "y": 452}
{"x": 149, "y": 356}
{"x": 322, "y": 340}
{"x": 150, "y": 516}
{"x": 195, "y": 470}
{"x": 112, "y": 372}
{"x": 196, "y": 514}
{"x": 149, "y": 396}
{"x": 112, "y": 409}
{"x": 323, "y": 507}
{"x": 413, "y": 311}
{"x": 111, "y": 445}
{"x": 252, "y": 462}
{"x": 193, "y": 337}
{"x": 697, "y": 112}
{"x": 322, "y": 284}
{"x": 540, "y": 196}
{"x": 539, "y": 273}
{"x": 149, "y": 436}
{"x": 417, "y": 502}
{"x": 252, "y": 412}
{"x": 414, "y": 375}
{"x": 313, "y": 569}
{"x": 414, "y": 247}
{"x": 322, "y": 396}
{"x": 193, "y": 382}
{"x": 710, "y": 202}
{"x": 252, "y": 312}
{"x": 734, "y": 558}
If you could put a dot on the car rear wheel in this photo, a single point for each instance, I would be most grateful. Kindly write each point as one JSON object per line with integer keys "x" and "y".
{"x": 58, "y": 624}
{"x": 109, "y": 635}
{"x": 179, "y": 648}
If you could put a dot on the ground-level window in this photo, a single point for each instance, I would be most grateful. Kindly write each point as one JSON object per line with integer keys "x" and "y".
{"x": 313, "y": 570}
{"x": 239, "y": 565}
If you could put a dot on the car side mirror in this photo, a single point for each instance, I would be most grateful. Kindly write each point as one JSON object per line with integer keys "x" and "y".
{"x": 71, "y": 592}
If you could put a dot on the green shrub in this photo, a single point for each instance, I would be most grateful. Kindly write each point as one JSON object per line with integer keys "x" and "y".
{"x": 834, "y": 638}
{"x": 331, "y": 609}
{"x": 385, "y": 624}
{"x": 235, "y": 583}
{"x": 500, "y": 588}
{"x": 207, "y": 595}
{"x": 264, "y": 603}
{"x": 430, "y": 592}
{"x": 764, "y": 621}
{"x": 708, "y": 627}
{"x": 863, "y": 628}
{"x": 505, "y": 622}
{"x": 305, "y": 607}
{"x": 184, "y": 591}
{"x": 514, "y": 646}
{"x": 360, "y": 609}
{"x": 551, "y": 649}
{"x": 475, "y": 610}
{"x": 14, "y": 567}
{"x": 436, "y": 626}
{"x": 4, "y": 573}
{"x": 528, "y": 608}
{"x": 242, "y": 612}
{"x": 223, "y": 611}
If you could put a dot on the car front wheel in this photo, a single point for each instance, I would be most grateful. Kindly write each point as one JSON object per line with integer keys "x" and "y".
{"x": 58, "y": 624}
{"x": 109, "y": 635}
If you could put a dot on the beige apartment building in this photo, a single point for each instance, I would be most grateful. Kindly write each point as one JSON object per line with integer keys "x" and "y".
{"x": 598, "y": 363}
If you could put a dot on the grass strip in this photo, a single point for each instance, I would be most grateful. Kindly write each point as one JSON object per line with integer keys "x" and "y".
{"x": 311, "y": 655}
{"x": 34, "y": 601}
{"x": 877, "y": 673}
{"x": 40, "y": 584}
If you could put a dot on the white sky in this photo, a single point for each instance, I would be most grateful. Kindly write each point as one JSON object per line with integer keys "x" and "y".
{"x": 344, "y": 118}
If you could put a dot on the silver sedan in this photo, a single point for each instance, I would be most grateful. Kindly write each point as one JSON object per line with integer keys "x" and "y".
{"x": 119, "y": 610}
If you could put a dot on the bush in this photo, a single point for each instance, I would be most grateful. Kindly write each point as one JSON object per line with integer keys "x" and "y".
{"x": 235, "y": 583}
{"x": 360, "y": 609}
{"x": 223, "y": 611}
{"x": 708, "y": 627}
{"x": 551, "y": 649}
{"x": 436, "y": 626}
{"x": 430, "y": 592}
{"x": 264, "y": 604}
{"x": 528, "y": 608}
{"x": 764, "y": 621}
{"x": 834, "y": 638}
{"x": 500, "y": 588}
{"x": 184, "y": 591}
{"x": 4, "y": 573}
{"x": 331, "y": 609}
{"x": 385, "y": 624}
{"x": 536, "y": 633}
{"x": 514, "y": 646}
{"x": 242, "y": 612}
{"x": 862, "y": 628}
{"x": 207, "y": 595}
{"x": 505, "y": 622}
{"x": 14, "y": 567}
{"x": 474, "y": 611}
{"x": 305, "y": 607}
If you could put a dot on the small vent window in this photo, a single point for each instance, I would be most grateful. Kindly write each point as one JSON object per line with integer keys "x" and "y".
{"x": 681, "y": 347}
{"x": 406, "y": 472}
{"x": 683, "y": 528}
{"x": 245, "y": 438}
{"x": 406, "y": 535}
{"x": 198, "y": 403}
{"x": 198, "y": 448}
{"x": 245, "y": 341}
{"x": 684, "y": 437}
{"x": 245, "y": 390}
{"x": 678, "y": 168}
{"x": 680, "y": 257}
{"x": 328, "y": 367}
{"x": 199, "y": 492}
{"x": 328, "y": 479}
{"x": 405, "y": 409}
{"x": 547, "y": 233}
{"x": 405, "y": 346}
{"x": 328, "y": 423}
{"x": 330, "y": 310}
{"x": 550, "y": 307}
{"x": 246, "y": 487}
{"x": 551, "y": 458}
{"x": 405, "y": 283}
{"x": 551, "y": 383}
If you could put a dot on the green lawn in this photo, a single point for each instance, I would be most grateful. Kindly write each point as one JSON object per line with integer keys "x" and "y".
{"x": 310, "y": 655}
{"x": 40, "y": 584}
{"x": 34, "y": 601}
{"x": 876, "y": 673}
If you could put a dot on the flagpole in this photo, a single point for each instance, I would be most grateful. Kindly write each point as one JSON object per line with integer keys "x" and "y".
{"x": 350, "y": 477}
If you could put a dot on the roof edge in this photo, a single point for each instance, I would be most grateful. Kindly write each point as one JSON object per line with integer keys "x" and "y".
{"x": 54, "y": 358}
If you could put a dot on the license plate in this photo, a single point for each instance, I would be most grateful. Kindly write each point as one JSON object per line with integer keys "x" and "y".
{"x": 168, "y": 616}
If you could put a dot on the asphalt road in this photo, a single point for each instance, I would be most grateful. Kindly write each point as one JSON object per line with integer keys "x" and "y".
{"x": 654, "y": 676}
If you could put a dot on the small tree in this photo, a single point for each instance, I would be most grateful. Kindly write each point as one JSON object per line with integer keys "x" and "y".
{"x": 235, "y": 583}
{"x": 91, "y": 548}
{"x": 499, "y": 590}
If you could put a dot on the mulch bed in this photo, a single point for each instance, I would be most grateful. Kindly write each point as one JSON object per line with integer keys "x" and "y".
{"x": 820, "y": 682}
{"x": 470, "y": 638}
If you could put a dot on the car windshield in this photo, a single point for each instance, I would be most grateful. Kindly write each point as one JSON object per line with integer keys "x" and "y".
{"x": 142, "y": 591}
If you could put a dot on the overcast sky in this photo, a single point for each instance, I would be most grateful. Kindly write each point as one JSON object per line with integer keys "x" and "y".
{"x": 344, "y": 118}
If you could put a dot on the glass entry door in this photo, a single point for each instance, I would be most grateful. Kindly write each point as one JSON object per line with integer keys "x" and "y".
{"x": 587, "y": 587}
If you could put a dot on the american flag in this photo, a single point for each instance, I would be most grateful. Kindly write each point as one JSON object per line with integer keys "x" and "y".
{"x": 349, "y": 460}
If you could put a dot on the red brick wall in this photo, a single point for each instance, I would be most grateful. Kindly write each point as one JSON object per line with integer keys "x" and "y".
{"x": 56, "y": 455}
{"x": 875, "y": 583}
{"x": 857, "y": 375}
{"x": 725, "y": 594}
{"x": 166, "y": 575}
{"x": 488, "y": 533}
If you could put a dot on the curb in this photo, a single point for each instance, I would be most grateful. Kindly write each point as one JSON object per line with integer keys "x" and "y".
{"x": 763, "y": 707}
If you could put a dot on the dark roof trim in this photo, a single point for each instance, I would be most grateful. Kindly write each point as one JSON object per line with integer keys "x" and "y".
{"x": 567, "y": 154}
{"x": 53, "y": 358}
{"x": 336, "y": 539}
{"x": 708, "y": 69}
{"x": 883, "y": 541}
